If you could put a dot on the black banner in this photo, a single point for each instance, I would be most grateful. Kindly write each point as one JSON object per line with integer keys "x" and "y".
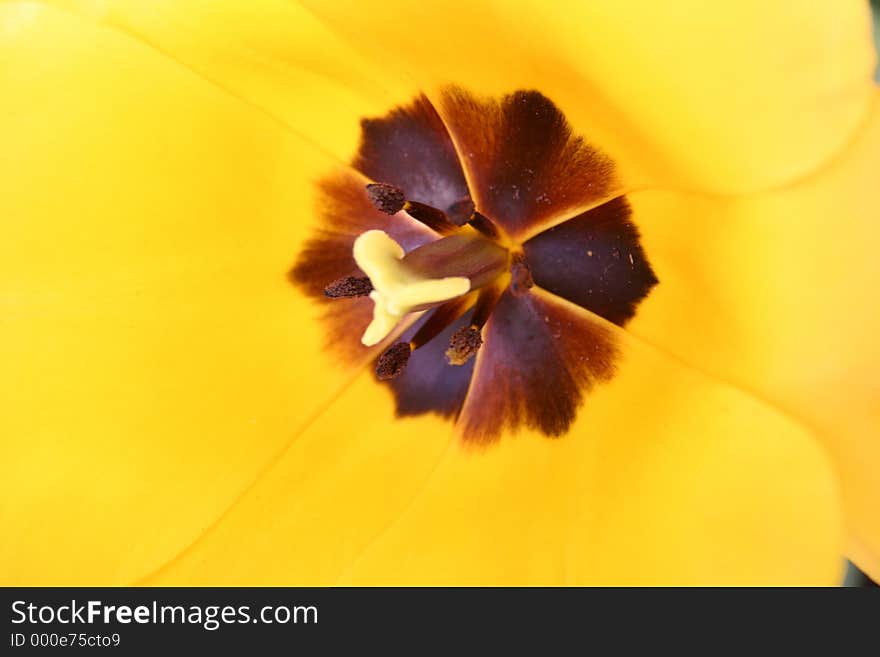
{"x": 327, "y": 621}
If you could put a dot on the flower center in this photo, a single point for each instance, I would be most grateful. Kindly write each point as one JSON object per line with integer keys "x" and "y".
{"x": 465, "y": 260}
{"x": 491, "y": 229}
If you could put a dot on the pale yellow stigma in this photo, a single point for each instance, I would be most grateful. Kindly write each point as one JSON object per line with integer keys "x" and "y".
{"x": 397, "y": 290}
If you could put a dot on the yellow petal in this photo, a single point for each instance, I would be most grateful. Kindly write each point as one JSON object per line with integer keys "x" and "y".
{"x": 779, "y": 294}
{"x": 728, "y": 96}
{"x": 271, "y": 54}
{"x": 666, "y": 478}
{"x": 155, "y": 359}
{"x": 151, "y": 373}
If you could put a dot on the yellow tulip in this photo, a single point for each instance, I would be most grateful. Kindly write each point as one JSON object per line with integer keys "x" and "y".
{"x": 176, "y": 412}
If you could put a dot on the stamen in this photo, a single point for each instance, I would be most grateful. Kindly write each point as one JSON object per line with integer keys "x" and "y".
{"x": 386, "y": 198}
{"x": 461, "y": 211}
{"x": 463, "y": 345}
{"x": 391, "y": 200}
{"x": 465, "y": 212}
{"x": 466, "y": 341}
{"x": 349, "y": 286}
{"x": 439, "y": 320}
{"x": 393, "y": 361}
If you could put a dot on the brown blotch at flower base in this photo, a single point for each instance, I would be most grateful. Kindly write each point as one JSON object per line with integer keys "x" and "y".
{"x": 534, "y": 341}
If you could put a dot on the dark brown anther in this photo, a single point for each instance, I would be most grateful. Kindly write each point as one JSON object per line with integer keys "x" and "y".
{"x": 520, "y": 276}
{"x": 393, "y": 361}
{"x": 483, "y": 224}
{"x": 461, "y": 211}
{"x": 463, "y": 345}
{"x": 348, "y": 286}
{"x": 386, "y": 198}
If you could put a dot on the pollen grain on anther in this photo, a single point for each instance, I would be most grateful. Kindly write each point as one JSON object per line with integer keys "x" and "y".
{"x": 463, "y": 345}
{"x": 393, "y": 361}
{"x": 386, "y": 198}
{"x": 348, "y": 286}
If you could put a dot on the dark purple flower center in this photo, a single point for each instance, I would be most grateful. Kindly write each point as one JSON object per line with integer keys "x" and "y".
{"x": 503, "y": 194}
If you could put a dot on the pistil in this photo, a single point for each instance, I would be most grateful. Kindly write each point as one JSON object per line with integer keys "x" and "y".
{"x": 424, "y": 278}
